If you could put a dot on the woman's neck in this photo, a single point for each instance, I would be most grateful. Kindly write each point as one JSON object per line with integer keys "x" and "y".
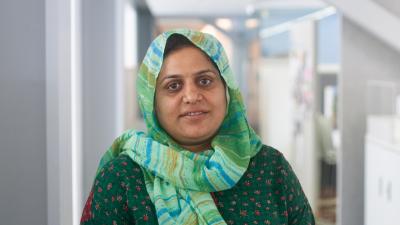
{"x": 197, "y": 147}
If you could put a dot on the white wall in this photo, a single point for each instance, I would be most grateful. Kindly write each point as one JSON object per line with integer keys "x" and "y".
{"x": 363, "y": 57}
{"x": 22, "y": 113}
{"x": 274, "y": 104}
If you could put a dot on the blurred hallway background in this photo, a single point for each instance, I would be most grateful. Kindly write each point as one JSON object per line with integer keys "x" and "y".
{"x": 320, "y": 80}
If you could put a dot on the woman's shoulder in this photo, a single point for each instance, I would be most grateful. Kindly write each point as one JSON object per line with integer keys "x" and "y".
{"x": 280, "y": 177}
{"x": 118, "y": 195}
{"x": 120, "y": 168}
{"x": 269, "y": 157}
{"x": 122, "y": 173}
{"x": 273, "y": 167}
{"x": 121, "y": 164}
{"x": 270, "y": 151}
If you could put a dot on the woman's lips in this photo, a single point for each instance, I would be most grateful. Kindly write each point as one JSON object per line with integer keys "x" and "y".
{"x": 194, "y": 115}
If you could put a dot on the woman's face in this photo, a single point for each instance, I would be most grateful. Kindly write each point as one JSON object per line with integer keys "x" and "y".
{"x": 190, "y": 98}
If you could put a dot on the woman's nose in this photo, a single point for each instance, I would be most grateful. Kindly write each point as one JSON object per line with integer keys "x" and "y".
{"x": 191, "y": 94}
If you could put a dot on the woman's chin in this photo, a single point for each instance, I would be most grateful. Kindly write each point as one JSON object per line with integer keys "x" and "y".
{"x": 193, "y": 139}
{"x": 196, "y": 136}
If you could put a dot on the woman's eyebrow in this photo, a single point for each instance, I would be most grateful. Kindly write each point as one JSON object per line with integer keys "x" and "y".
{"x": 174, "y": 76}
{"x": 171, "y": 76}
{"x": 204, "y": 71}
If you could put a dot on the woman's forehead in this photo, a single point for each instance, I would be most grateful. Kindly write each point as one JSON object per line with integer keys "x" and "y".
{"x": 188, "y": 58}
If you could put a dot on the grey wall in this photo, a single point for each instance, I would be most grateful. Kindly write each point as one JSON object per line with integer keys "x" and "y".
{"x": 99, "y": 87}
{"x": 392, "y": 6}
{"x": 22, "y": 113}
{"x": 145, "y": 26}
{"x": 363, "y": 57}
{"x": 100, "y": 65}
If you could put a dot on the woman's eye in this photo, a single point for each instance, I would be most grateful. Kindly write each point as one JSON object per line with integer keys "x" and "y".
{"x": 205, "y": 82}
{"x": 173, "y": 86}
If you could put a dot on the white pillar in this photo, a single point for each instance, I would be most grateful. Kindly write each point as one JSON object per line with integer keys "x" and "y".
{"x": 63, "y": 106}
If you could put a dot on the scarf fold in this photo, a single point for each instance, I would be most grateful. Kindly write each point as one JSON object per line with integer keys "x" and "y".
{"x": 178, "y": 181}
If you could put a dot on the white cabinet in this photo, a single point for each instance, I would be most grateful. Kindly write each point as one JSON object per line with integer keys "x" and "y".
{"x": 382, "y": 182}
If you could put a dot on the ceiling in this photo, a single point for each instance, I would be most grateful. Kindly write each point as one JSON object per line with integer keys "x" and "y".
{"x": 223, "y": 8}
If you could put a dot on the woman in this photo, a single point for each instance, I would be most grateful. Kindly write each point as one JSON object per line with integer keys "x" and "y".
{"x": 200, "y": 162}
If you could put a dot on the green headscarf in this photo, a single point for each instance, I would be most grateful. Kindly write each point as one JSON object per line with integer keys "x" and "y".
{"x": 178, "y": 181}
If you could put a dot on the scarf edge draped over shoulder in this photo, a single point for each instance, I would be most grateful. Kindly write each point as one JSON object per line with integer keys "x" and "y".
{"x": 178, "y": 181}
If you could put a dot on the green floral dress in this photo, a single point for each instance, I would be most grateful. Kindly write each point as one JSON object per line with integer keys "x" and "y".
{"x": 268, "y": 193}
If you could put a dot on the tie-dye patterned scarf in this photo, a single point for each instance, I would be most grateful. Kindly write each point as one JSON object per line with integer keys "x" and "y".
{"x": 179, "y": 182}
